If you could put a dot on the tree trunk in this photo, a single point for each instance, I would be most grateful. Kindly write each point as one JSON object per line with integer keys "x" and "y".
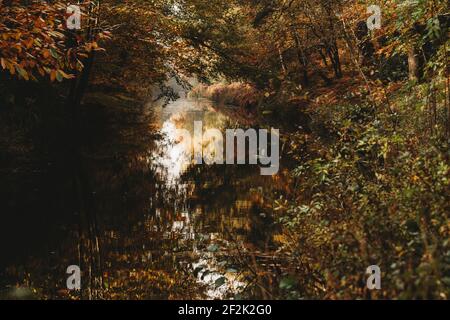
{"x": 323, "y": 55}
{"x": 302, "y": 59}
{"x": 333, "y": 53}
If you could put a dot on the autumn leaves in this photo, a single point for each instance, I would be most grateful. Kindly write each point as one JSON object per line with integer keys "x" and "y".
{"x": 35, "y": 43}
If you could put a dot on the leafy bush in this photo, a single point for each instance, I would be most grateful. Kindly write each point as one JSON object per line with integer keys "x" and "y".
{"x": 378, "y": 194}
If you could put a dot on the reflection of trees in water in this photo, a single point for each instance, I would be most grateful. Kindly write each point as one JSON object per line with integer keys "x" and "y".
{"x": 134, "y": 235}
{"x": 136, "y": 210}
{"x": 234, "y": 203}
{"x": 232, "y": 196}
{"x": 98, "y": 204}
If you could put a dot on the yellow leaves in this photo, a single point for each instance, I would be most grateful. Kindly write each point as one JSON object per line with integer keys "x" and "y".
{"x": 14, "y": 67}
{"x": 24, "y": 69}
{"x": 56, "y": 34}
{"x": 92, "y": 46}
{"x": 22, "y": 72}
{"x": 11, "y": 68}
{"x": 280, "y": 204}
{"x": 59, "y": 75}
{"x": 65, "y": 75}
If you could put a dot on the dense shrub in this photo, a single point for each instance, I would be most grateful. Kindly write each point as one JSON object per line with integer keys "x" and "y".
{"x": 377, "y": 194}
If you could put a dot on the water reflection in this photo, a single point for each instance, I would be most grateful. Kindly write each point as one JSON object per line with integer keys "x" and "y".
{"x": 173, "y": 154}
{"x": 222, "y": 205}
{"x": 151, "y": 225}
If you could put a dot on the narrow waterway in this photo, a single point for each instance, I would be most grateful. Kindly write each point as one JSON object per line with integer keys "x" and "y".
{"x": 217, "y": 210}
{"x": 159, "y": 227}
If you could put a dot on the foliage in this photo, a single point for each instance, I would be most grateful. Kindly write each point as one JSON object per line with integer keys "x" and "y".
{"x": 34, "y": 41}
{"x": 377, "y": 194}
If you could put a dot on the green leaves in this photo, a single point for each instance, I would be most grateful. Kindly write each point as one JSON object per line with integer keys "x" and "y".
{"x": 433, "y": 28}
{"x": 59, "y": 76}
{"x": 287, "y": 283}
{"x": 21, "y": 71}
{"x": 213, "y": 248}
{"x": 220, "y": 282}
{"x": 53, "y": 53}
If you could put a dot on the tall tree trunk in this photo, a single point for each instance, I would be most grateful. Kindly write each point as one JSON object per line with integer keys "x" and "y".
{"x": 323, "y": 54}
{"x": 335, "y": 59}
{"x": 333, "y": 53}
{"x": 337, "y": 62}
{"x": 80, "y": 83}
{"x": 365, "y": 46}
{"x": 302, "y": 59}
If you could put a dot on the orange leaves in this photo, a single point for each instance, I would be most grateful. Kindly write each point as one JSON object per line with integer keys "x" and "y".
{"x": 14, "y": 68}
{"x": 92, "y": 46}
{"x": 46, "y": 54}
{"x": 29, "y": 43}
{"x": 7, "y": 64}
{"x": 59, "y": 75}
{"x": 33, "y": 42}
{"x": 39, "y": 23}
{"x": 52, "y": 75}
{"x": 388, "y": 49}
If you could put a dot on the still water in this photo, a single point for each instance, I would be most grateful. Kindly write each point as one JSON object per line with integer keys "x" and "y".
{"x": 141, "y": 222}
